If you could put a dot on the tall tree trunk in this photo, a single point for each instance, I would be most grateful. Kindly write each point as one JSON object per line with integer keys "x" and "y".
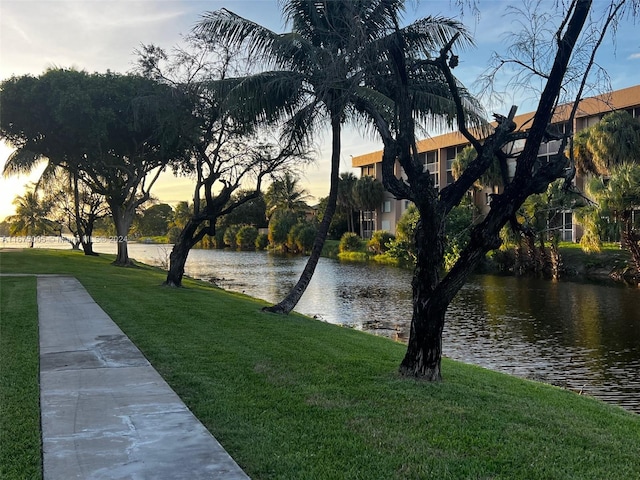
{"x": 86, "y": 236}
{"x": 556, "y": 259}
{"x": 430, "y": 303}
{"x": 295, "y": 294}
{"x": 424, "y": 350}
{"x": 123, "y": 218}
{"x": 85, "y": 228}
{"x": 178, "y": 256}
{"x": 631, "y": 240}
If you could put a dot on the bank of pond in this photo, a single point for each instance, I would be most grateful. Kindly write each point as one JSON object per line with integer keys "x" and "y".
{"x": 582, "y": 336}
{"x": 290, "y": 397}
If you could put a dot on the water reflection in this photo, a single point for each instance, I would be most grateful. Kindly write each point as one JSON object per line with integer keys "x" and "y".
{"x": 580, "y": 336}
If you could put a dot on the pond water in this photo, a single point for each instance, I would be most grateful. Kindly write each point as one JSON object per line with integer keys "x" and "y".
{"x": 585, "y": 337}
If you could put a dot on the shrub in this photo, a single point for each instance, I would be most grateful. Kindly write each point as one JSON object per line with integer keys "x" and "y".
{"x": 350, "y": 242}
{"x": 229, "y": 236}
{"x": 293, "y": 235}
{"x": 262, "y": 241}
{"x": 279, "y": 226}
{"x": 379, "y": 242}
{"x": 402, "y": 251}
{"x": 246, "y": 237}
{"x": 305, "y": 237}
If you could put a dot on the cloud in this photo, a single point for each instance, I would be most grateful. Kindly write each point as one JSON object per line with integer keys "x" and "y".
{"x": 634, "y": 56}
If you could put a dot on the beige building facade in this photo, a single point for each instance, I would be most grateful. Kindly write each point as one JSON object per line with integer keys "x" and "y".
{"x": 438, "y": 153}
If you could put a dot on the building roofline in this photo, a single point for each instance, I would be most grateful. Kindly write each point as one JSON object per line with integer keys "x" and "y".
{"x": 615, "y": 100}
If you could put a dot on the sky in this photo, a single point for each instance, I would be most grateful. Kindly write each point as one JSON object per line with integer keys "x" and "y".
{"x": 100, "y": 35}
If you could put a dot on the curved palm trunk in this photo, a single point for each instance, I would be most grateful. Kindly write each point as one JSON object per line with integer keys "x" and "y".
{"x": 293, "y": 297}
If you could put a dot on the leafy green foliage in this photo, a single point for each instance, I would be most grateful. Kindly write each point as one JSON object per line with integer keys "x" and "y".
{"x": 612, "y": 141}
{"x": 155, "y": 220}
{"x": 262, "y": 241}
{"x": 279, "y": 226}
{"x": 351, "y": 242}
{"x": 305, "y": 237}
{"x": 246, "y": 237}
{"x": 379, "y": 242}
{"x": 252, "y": 212}
{"x": 492, "y": 177}
{"x": 31, "y": 216}
{"x": 230, "y": 236}
{"x": 458, "y": 226}
{"x": 368, "y": 193}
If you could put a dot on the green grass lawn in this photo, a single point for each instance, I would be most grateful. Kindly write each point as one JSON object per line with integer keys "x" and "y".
{"x": 19, "y": 391}
{"x": 294, "y": 398}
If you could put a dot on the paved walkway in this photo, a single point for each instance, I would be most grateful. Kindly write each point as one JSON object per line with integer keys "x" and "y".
{"x": 106, "y": 412}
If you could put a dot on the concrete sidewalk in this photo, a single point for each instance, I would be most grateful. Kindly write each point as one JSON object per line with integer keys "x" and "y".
{"x": 106, "y": 412}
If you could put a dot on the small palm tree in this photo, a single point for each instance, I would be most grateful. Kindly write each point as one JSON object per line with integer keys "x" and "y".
{"x": 345, "y": 200}
{"x": 286, "y": 194}
{"x": 612, "y": 141}
{"x": 30, "y": 218}
{"x": 368, "y": 194}
{"x": 619, "y": 196}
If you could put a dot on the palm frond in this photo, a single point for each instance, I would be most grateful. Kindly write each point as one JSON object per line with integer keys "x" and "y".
{"x": 234, "y": 30}
{"x": 21, "y": 161}
{"x": 266, "y": 97}
{"x": 430, "y": 34}
{"x": 299, "y": 129}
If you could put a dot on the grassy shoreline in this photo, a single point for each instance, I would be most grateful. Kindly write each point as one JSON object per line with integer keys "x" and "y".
{"x": 290, "y": 397}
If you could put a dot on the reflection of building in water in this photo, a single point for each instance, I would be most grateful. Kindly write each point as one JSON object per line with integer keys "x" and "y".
{"x": 438, "y": 153}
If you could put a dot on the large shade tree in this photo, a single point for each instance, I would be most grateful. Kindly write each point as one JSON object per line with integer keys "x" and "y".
{"x": 317, "y": 72}
{"x": 433, "y": 292}
{"x": 228, "y": 152}
{"x": 116, "y": 132}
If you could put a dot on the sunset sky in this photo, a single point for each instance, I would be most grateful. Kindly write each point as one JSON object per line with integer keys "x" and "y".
{"x": 96, "y": 35}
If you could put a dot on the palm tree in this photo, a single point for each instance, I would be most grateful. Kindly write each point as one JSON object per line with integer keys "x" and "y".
{"x": 284, "y": 193}
{"x": 610, "y": 148}
{"x": 30, "y": 218}
{"x": 320, "y": 70}
{"x": 368, "y": 194}
{"x": 86, "y": 207}
{"x": 345, "y": 200}
{"x": 619, "y": 195}
{"x": 316, "y": 75}
{"x": 612, "y": 141}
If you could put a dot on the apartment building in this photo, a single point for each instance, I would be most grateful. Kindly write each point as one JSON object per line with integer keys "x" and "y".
{"x": 438, "y": 153}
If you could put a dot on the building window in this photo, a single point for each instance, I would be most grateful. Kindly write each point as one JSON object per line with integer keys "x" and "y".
{"x": 562, "y": 223}
{"x": 386, "y": 206}
{"x": 432, "y": 166}
{"x": 452, "y": 153}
